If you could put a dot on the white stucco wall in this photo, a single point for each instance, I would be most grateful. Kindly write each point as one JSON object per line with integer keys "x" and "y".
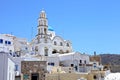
{"x": 6, "y": 47}
{"x": 6, "y": 67}
{"x": 74, "y": 58}
{"x": 11, "y": 70}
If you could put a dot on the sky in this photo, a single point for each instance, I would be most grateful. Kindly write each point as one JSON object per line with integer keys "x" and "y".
{"x": 91, "y": 25}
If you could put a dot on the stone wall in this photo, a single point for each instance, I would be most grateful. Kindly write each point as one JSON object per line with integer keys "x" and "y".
{"x": 33, "y": 67}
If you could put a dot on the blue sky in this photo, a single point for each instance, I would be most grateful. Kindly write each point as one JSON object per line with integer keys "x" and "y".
{"x": 91, "y": 25}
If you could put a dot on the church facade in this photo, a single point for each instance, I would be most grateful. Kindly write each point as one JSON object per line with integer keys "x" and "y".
{"x": 46, "y": 41}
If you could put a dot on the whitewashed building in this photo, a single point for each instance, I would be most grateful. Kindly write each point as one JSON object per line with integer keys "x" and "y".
{"x": 47, "y": 42}
{"x": 6, "y": 43}
{"x": 7, "y": 67}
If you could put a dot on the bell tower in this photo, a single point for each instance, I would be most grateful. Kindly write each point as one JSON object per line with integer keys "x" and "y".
{"x": 42, "y": 26}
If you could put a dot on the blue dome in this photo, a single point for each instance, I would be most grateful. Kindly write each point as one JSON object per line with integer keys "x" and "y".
{"x": 50, "y": 28}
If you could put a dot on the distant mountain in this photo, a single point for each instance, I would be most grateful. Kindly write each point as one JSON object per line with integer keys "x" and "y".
{"x": 113, "y": 59}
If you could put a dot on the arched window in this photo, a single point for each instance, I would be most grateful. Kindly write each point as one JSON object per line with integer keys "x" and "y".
{"x": 95, "y": 77}
{"x": 36, "y": 48}
{"x": 45, "y": 31}
{"x": 85, "y": 61}
{"x": 80, "y": 61}
{"x": 46, "y": 51}
{"x": 68, "y": 45}
{"x": 54, "y": 51}
{"x": 38, "y": 31}
{"x": 55, "y": 43}
{"x": 94, "y": 65}
{"x": 61, "y": 44}
{"x": 9, "y": 42}
{"x": 1, "y": 41}
{"x": 10, "y": 52}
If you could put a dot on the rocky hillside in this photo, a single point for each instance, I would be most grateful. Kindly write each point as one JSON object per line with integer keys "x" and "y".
{"x": 113, "y": 59}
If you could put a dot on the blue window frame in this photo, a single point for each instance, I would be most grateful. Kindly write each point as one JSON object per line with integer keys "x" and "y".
{"x": 16, "y": 67}
{"x": 1, "y": 40}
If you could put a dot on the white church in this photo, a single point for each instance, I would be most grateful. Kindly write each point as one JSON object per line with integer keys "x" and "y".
{"x": 47, "y": 42}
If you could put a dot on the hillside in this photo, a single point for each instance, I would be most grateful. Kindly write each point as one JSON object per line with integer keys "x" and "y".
{"x": 113, "y": 59}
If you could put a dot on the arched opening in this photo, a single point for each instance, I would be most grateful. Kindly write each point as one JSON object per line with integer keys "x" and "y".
{"x": 85, "y": 62}
{"x": 10, "y": 52}
{"x": 94, "y": 65}
{"x": 36, "y": 48}
{"x": 67, "y": 51}
{"x": 67, "y": 44}
{"x": 38, "y": 31}
{"x": 55, "y": 43}
{"x": 95, "y": 77}
{"x": 80, "y": 61}
{"x": 75, "y": 62}
{"x": 61, "y": 44}
{"x": 45, "y": 31}
{"x": 46, "y": 51}
{"x": 54, "y": 51}
{"x": 61, "y": 51}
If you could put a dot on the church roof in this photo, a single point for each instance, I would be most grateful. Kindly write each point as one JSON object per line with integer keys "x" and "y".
{"x": 50, "y": 28}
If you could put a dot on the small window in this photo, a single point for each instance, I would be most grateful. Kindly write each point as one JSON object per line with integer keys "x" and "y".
{"x": 10, "y": 52}
{"x": 49, "y": 63}
{"x": 36, "y": 48}
{"x": 43, "y": 75}
{"x": 72, "y": 65}
{"x": 46, "y": 51}
{"x": 55, "y": 43}
{"x": 45, "y": 31}
{"x": 1, "y": 40}
{"x": 16, "y": 67}
{"x": 80, "y": 61}
{"x": 52, "y": 64}
{"x": 68, "y": 45}
{"x": 94, "y": 65}
{"x": 85, "y": 61}
{"x": 9, "y": 42}
{"x": 61, "y": 44}
{"x": 26, "y": 48}
{"x": 6, "y": 42}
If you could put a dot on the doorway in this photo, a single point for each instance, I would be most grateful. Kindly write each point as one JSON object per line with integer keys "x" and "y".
{"x": 35, "y": 76}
